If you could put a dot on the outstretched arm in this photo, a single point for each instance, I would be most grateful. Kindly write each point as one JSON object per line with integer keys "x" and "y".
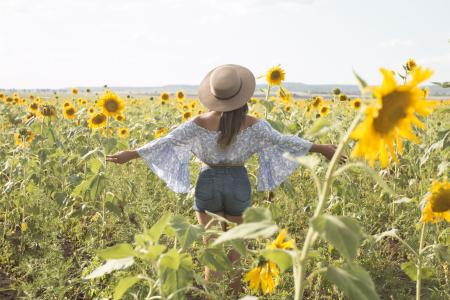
{"x": 327, "y": 150}
{"x": 122, "y": 156}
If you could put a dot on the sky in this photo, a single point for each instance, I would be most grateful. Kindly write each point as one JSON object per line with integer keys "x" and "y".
{"x": 65, "y": 43}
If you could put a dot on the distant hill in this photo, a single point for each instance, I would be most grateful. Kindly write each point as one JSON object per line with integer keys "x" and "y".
{"x": 297, "y": 88}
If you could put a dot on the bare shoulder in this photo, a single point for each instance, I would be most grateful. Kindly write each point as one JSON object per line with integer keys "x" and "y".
{"x": 252, "y": 120}
{"x": 200, "y": 119}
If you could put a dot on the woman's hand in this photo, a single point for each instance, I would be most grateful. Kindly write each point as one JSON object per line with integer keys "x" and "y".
{"x": 328, "y": 151}
{"x": 122, "y": 156}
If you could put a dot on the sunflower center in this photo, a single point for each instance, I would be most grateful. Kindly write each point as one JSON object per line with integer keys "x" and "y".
{"x": 70, "y": 111}
{"x": 99, "y": 119}
{"x": 275, "y": 75}
{"x": 393, "y": 111}
{"x": 111, "y": 105}
{"x": 357, "y": 104}
{"x": 440, "y": 202}
{"x": 165, "y": 97}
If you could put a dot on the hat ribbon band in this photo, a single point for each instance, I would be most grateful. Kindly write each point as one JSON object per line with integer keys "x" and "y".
{"x": 237, "y": 92}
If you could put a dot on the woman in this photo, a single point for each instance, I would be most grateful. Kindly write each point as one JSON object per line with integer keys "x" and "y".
{"x": 223, "y": 139}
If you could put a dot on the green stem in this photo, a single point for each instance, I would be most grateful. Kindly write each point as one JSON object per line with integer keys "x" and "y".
{"x": 268, "y": 92}
{"x": 419, "y": 264}
{"x": 300, "y": 264}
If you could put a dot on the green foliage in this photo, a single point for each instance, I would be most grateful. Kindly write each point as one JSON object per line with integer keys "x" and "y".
{"x": 66, "y": 214}
{"x": 281, "y": 257}
{"x": 215, "y": 258}
{"x": 343, "y": 232}
{"x": 123, "y": 285}
{"x": 354, "y": 281}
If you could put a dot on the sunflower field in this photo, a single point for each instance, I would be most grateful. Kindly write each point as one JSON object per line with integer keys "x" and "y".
{"x": 377, "y": 227}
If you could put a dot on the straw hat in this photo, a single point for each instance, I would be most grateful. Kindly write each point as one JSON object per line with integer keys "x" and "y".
{"x": 226, "y": 87}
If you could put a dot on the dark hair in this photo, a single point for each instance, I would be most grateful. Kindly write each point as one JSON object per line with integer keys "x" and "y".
{"x": 230, "y": 124}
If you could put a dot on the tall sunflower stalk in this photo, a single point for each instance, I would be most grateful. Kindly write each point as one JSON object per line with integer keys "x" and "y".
{"x": 301, "y": 259}
{"x": 388, "y": 120}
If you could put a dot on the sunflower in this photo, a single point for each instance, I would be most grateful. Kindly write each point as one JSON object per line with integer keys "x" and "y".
{"x": 123, "y": 133}
{"x": 29, "y": 116}
{"x": 410, "y": 65}
{"x": 69, "y": 112}
{"x": 336, "y": 91}
{"x": 254, "y": 100}
{"x": 186, "y": 115}
{"x": 437, "y": 207}
{"x": 275, "y": 76}
{"x": 33, "y": 107}
{"x": 264, "y": 276}
{"x": 324, "y": 110}
{"x": 24, "y": 138}
{"x": 279, "y": 242}
{"x": 164, "y": 97}
{"x": 74, "y": 91}
{"x": 317, "y": 102}
{"x": 9, "y": 100}
{"x": 91, "y": 110}
{"x": 110, "y": 104}
{"x": 426, "y": 92}
{"x": 105, "y": 132}
{"x": 193, "y": 104}
{"x": 356, "y": 103}
{"x": 284, "y": 95}
{"x": 160, "y": 132}
{"x": 2, "y": 96}
{"x": 97, "y": 120}
{"x": 120, "y": 118}
{"x": 287, "y": 107}
{"x": 343, "y": 97}
{"x": 389, "y": 119}
{"x": 47, "y": 111}
{"x": 67, "y": 104}
{"x": 180, "y": 95}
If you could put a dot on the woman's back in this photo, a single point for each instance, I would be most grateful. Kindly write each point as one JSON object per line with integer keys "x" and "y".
{"x": 169, "y": 156}
{"x": 211, "y": 121}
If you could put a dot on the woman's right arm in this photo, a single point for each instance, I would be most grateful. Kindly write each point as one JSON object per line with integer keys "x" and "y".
{"x": 122, "y": 156}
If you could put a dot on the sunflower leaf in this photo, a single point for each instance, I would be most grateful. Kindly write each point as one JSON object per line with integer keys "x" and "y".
{"x": 342, "y": 232}
{"x": 123, "y": 285}
{"x": 215, "y": 258}
{"x": 361, "y": 82}
{"x": 354, "y": 281}
{"x": 281, "y": 257}
{"x": 110, "y": 266}
{"x": 247, "y": 231}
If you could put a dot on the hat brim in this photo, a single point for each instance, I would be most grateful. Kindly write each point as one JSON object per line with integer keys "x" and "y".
{"x": 245, "y": 93}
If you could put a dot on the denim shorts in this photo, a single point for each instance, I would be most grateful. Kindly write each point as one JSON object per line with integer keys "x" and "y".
{"x": 223, "y": 189}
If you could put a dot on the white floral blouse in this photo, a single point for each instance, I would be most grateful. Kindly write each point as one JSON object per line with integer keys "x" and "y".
{"x": 169, "y": 156}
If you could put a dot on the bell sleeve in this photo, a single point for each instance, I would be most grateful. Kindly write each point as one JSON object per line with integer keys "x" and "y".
{"x": 273, "y": 167}
{"x": 169, "y": 157}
